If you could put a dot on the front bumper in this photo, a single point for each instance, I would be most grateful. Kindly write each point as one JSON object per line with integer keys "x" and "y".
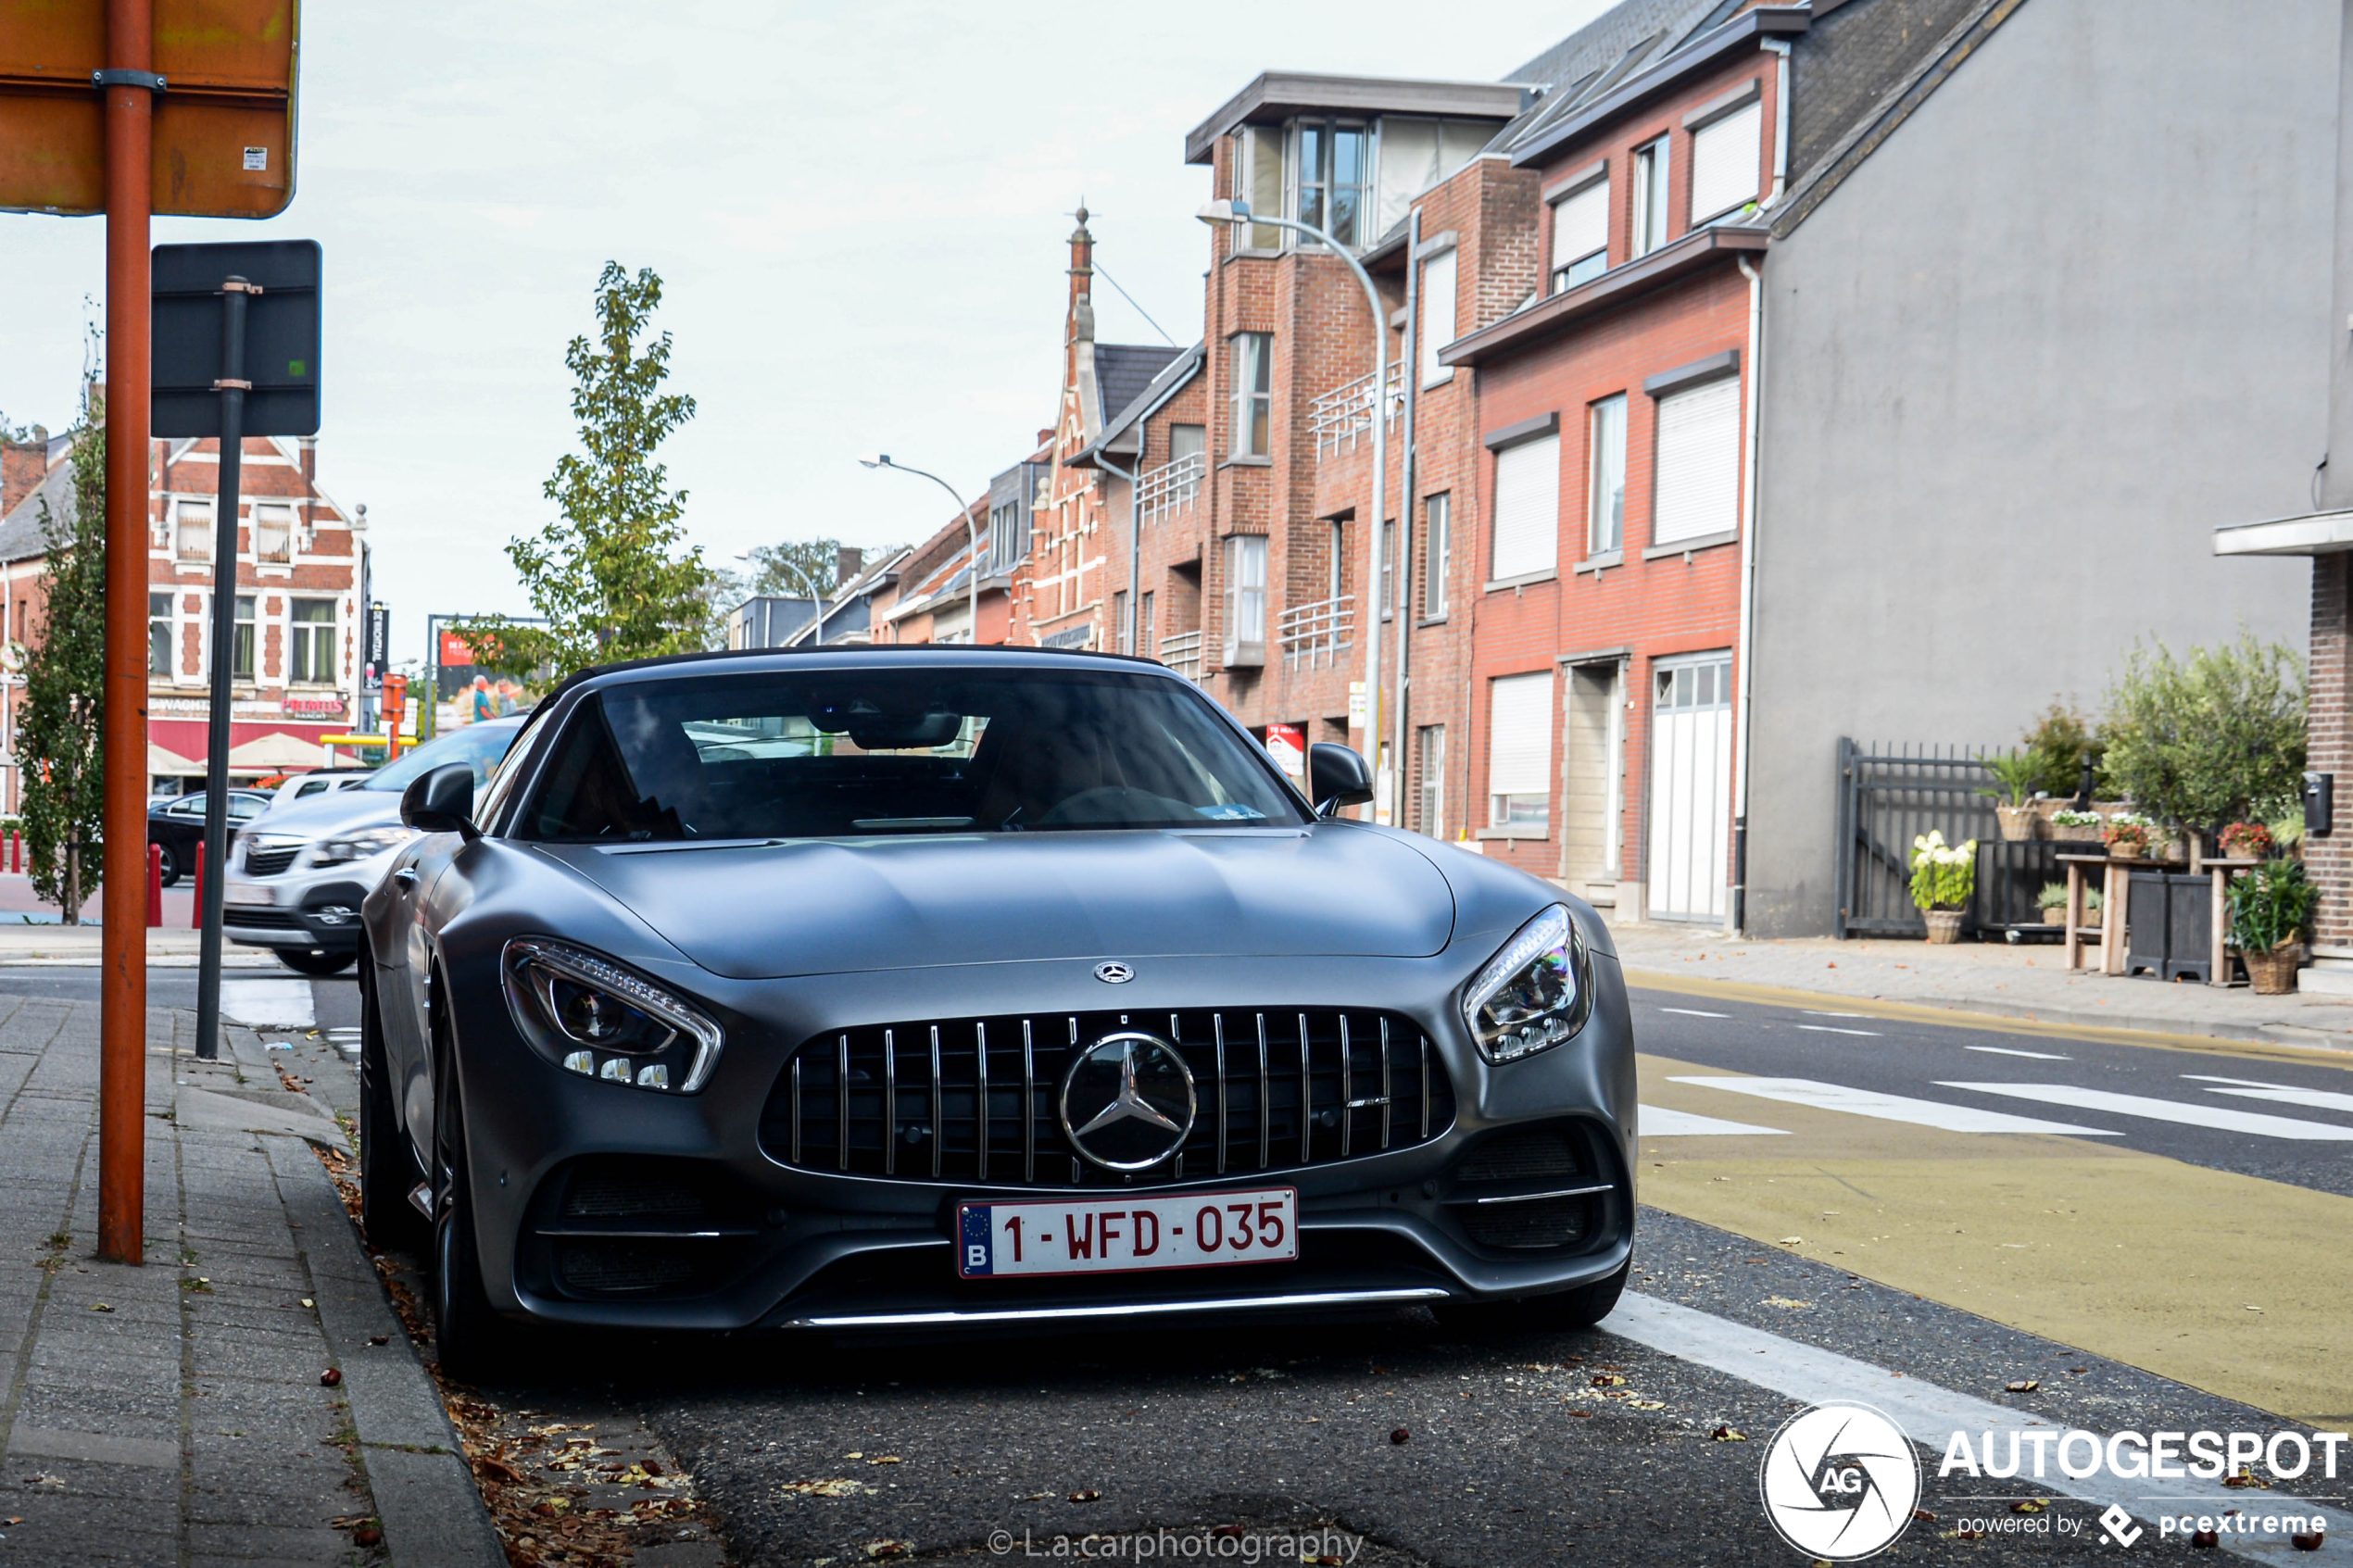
{"x": 306, "y": 907}
{"x": 696, "y": 1218}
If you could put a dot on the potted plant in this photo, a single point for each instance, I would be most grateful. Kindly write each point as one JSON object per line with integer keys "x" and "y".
{"x": 2128, "y": 834}
{"x": 2019, "y": 773}
{"x": 2052, "y": 902}
{"x": 2074, "y": 827}
{"x": 2247, "y": 841}
{"x": 1943, "y": 875}
{"x": 2270, "y": 910}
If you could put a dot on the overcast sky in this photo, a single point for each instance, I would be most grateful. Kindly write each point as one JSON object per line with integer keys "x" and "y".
{"x": 859, "y": 212}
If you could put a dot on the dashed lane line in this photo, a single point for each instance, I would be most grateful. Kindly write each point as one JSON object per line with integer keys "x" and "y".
{"x": 1889, "y": 1107}
{"x": 1658, "y": 1122}
{"x": 2007, "y": 1050}
{"x": 2217, "y": 1118}
{"x": 2286, "y": 1094}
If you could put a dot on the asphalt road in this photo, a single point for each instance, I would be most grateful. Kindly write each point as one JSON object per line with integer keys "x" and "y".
{"x": 266, "y": 998}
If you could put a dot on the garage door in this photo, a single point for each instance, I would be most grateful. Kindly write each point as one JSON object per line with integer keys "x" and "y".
{"x": 1691, "y": 787}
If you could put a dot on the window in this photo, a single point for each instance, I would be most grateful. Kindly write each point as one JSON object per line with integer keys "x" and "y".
{"x": 1646, "y": 219}
{"x": 159, "y": 634}
{"x": 1386, "y": 587}
{"x": 313, "y": 635}
{"x": 272, "y": 531}
{"x": 241, "y": 637}
{"x": 1258, "y": 180}
{"x": 1727, "y": 159}
{"x": 1519, "y": 753}
{"x": 1144, "y": 623}
{"x": 1008, "y": 535}
{"x": 1438, "y": 315}
{"x": 1119, "y": 620}
{"x": 1699, "y": 463}
{"x": 1437, "y": 546}
{"x": 1416, "y": 154}
{"x": 1188, "y": 445}
{"x": 1606, "y": 505}
{"x": 1335, "y": 159}
{"x": 1581, "y": 236}
{"x": 1253, "y": 394}
{"x": 1246, "y": 599}
{"x": 192, "y": 531}
{"x": 1338, "y": 564}
{"x": 1527, "y": 483}
{"x": 1430, "y": 747}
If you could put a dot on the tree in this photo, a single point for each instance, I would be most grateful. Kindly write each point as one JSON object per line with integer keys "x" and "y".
{"x": 792, "y": 569}
{"x": 606, "y": 575}
{"x": 59, "y": 748}
{"x": 2211, "y": 738}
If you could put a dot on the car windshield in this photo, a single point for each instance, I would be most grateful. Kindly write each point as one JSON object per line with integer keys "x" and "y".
{"x": 826, "y": 753}
{"x": 482, "y": 747}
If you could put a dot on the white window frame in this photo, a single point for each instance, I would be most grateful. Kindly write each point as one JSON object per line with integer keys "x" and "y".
{"x": 1689, "y": 500}
{"x": 1526, "y": 477}
{"x": 1439, "y": 266}
{"x": 1252, "y": 396}
{"x": 167, "y": 623}
{"x": 1245, "y": 600}
{"x": 1728, "y": 162}
{"x": 305, "y": 640}
{"x": 1430, "y": 746}
{"x": 1437, "y": 552}
{"x": 1591, "y": 260}
{"x": 1519, "y": 774}
{"x": 192, "y": 520}
{"x": 1606, "y": 462}
{"x": 1646, "y": 218}
{"x": 1323, "y": 179}
{"x": 266, "y": 519}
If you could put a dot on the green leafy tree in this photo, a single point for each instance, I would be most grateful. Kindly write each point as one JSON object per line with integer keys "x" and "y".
{"x": 792, "y": 569}
{"x": 64, "y": 713}
{"x": 609, "y": 575}
{"x": 2212, "y": 738}
{"x": 2065, "y": 742}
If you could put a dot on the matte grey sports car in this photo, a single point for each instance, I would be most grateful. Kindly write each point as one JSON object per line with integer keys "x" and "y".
{"x": 862, "y": 989}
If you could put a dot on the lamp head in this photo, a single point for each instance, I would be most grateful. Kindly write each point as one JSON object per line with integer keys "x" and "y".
{"x": 1222, "y": 211}
{"x": 876, "y": 460}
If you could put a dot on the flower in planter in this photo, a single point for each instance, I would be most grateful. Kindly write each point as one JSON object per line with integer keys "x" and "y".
{"x": 2128, "y": 833}
{"x": 1943, "y": 875}
{"x": 2247, "y": 841}
{"x": 2272, "y": 907}
{"x": 2070, "y": 818}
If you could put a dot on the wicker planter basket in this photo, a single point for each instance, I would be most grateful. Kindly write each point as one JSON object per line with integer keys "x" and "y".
{"x": 2075, "y": 833}
{"x": 2017, "y": 822}
{"x": 1944, "y": 925}
{"x": 2128, "y": 851}
{"x": 2272, "y": 974}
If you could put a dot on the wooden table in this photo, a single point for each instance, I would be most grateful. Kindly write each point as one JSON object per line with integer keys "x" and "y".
{"x": 2114, "y": 898}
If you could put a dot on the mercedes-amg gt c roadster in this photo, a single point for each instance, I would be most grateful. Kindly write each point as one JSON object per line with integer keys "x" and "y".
{"x": 890, "y": 988}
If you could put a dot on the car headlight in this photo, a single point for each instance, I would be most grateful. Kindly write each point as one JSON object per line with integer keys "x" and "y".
{"x": 359, "y": 846}
{"x": 591, "y": 1016}
{"x": 1534, "y": 993}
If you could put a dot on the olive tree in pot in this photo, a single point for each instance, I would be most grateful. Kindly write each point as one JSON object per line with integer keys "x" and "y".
{"x": 2214, "y": 737}
{"x": 2271, "y": 911}
{"x": 2017, "y": 773}
{"x": 1943, "y": 876}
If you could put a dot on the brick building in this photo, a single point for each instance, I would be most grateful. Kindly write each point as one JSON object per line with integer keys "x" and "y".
{"x": 301, "y": 572}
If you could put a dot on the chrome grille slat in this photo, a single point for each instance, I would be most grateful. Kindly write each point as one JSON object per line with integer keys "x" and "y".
{"x": 849, "y": 1090}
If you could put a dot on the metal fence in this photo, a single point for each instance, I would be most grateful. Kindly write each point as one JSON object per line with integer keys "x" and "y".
{"x": 1890, "y": 793}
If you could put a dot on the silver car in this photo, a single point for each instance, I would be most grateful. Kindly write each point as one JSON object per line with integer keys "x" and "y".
{"x": 298, "y": 871}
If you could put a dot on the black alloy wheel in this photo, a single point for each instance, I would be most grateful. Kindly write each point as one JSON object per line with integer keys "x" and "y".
{"x": 472, "y": 1341}
{"x": 389, "y": 1170}
{"x": 316, "y": 960}
{"x": 1559, "y": 1313}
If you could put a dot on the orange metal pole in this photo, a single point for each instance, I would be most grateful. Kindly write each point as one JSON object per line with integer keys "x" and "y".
{"x": 122, "y": 1031}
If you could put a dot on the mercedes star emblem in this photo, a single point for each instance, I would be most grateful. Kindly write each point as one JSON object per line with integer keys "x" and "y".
{"x": 1113, "y": 974}
{"x": 1127, "y": 1101}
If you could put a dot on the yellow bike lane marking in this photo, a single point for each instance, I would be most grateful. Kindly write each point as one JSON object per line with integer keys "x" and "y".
{"x": 2231, "y": 1283}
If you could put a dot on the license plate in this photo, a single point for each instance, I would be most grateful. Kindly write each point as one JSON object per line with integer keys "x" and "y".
{"x": 248, "y": 895}
{"x": 1120, "y": 1235}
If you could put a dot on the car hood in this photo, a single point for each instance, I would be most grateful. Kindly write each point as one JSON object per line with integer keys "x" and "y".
{"x": 830, "y": 907}
{"x": 321, "y": 816}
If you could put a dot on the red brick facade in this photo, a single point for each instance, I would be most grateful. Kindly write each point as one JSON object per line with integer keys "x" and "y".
{"x": 2329, "y": 746}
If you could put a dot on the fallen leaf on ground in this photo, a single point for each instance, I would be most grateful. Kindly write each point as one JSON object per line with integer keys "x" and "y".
{"x": 498, "y": 1470}
{"x": 1608, "y": 1380}
{"x": 1649, "y": 1404}
{"x": 876, "y": 1549}
{"x": 834, "y": 1487}
{"x": 100, "y": 1307}
{"x": 878, "y": 1459}
{"x": 1788, "y": 1302}
{"x": 1090, "y": 1494}
{"x": 2023, "y": 1385}
{"x": 1727, "y": 1434}
{"x": 2032, "y": 1505}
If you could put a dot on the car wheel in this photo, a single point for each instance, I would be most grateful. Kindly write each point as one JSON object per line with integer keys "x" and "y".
{"x": 170, "y": 864}
{"x": 315, "y": 960}
{"x": 470, "y": 1340}
{"x": 388, "y": 1170}
{"x": 1559, "y": 1313}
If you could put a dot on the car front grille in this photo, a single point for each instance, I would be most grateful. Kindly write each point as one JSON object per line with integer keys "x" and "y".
{"x": 270, "y": 862}
{"x": 254, "y": 917}
{"x": 976, "y": 1099}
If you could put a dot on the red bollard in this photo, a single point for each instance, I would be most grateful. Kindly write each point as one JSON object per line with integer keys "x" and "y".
{"x": 154, "y": 884}
{"x": 15, "y": 849}
{"x": 195, "y": 906}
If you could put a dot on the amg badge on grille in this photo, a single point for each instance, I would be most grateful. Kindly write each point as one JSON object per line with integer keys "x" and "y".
{"x": 1127, "y": 1101}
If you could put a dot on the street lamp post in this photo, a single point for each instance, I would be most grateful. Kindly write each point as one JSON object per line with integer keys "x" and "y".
{"x": 1234, "y": 212}
{"x": 816, "y": 600}
{"x": 972, "y": 530}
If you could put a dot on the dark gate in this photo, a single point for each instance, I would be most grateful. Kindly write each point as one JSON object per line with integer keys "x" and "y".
{"x": 1890, "y": 793}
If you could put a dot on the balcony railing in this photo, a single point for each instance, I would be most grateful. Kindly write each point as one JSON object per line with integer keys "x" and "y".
{"x": 1171, "y": 487}
{"x": 1316, "y": 634}
{"x": 1341, "y": 416}
{"x": 1182, "y": 654}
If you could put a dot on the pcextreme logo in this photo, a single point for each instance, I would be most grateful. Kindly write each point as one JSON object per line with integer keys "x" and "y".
{"x": 1840, "y": 1481}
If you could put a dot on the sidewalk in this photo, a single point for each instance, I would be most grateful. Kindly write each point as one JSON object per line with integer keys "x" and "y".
{"x": 2025, "y": 982}
{"x": 175, "y": 1413}
{"x": 77, "y": 946}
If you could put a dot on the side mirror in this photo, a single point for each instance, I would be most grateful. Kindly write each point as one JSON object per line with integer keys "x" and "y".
{"x": 1336, "y": 777}
{"x": 442, "y": 800}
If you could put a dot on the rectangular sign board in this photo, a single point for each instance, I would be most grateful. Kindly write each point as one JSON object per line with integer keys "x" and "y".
{"x": 224, "y": 124}
{"x": 282, "y": 336}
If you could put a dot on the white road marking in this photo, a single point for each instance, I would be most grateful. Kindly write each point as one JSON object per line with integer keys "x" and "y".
{"x": 1833, "y": 1029}
{"x": 2006, "y": 1051}
{"x": 2287, "y": 1093}
{"x": 1889, "y": 1107}
{"x": 1658, "y": 1122}
{"x": 1929, "y": 1415}
{"x": 1821, "y": 1013}
{"x": 283, "y": 1004}
{"x": 2192, "y": 1113}
{"x": 1695, "y": 1012}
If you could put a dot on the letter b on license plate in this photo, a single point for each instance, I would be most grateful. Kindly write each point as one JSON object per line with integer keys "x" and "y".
{"x": 1118, "y": 1234}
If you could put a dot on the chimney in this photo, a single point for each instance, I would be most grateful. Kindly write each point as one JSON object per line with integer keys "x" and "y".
{"x": 848, "y": 560}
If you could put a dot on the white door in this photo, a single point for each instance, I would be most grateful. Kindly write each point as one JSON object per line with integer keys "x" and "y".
{"x": 1691, "y": 787}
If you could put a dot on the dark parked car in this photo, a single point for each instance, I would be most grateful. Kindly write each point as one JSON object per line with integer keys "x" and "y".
{"x": 177, "y": 824}
{"x": 901, "y": 988}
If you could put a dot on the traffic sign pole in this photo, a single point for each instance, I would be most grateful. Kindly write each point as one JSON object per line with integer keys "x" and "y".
{"x": 123, "y": 1028}
{"x": 232, "y": 386}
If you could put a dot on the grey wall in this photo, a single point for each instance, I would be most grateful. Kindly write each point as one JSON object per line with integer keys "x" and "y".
{"x": 2072, "y": 315}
